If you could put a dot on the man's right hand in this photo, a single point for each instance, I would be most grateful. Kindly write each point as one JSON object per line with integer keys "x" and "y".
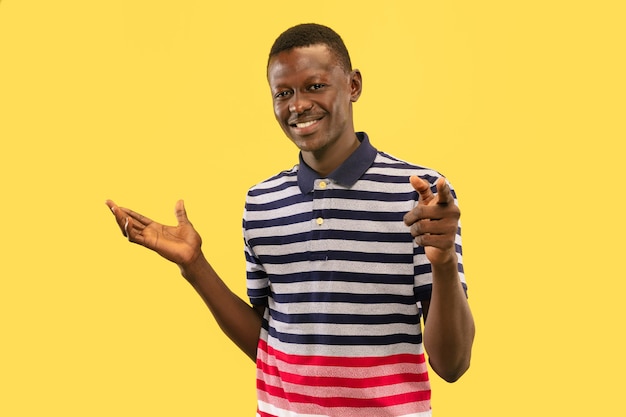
{"x": 179, "y": 244}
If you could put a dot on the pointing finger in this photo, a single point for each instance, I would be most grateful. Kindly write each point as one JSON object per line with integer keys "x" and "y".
{"x": 423, "y": 188}
{"x": 444, "y": 195}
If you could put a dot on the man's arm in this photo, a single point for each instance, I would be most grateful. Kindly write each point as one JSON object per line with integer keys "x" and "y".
{"x": 181, "y": 244}
{"x": 238, "y": 320}
{"x": 449, "y": 325}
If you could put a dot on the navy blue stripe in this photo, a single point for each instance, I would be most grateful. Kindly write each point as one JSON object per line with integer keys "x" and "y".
{"x": 386, "y": 178}
{"x": 335, "y": 276}
{"x": 345, "y": 318}
{"x": 283, "y": 203}
{"x": 423, "y": 293}
{"x": 333, "y": 297}
{"x": 423, "y": 269}
{"x": 361, "y": 236}
{"x": 279, "y": 240}
{"x": 342, "y": 340}
{"x": 336, "y": 255}
{"x": 251, "y": 258}
{"x": 258, "y": 293}
{"x": 291, "y": 180}
{"x": 346, "y": 235}
{"x": 256, "y": 275}
{"x": 378, "y": 216}
{"x": 280, "y": 187}
{"x": 350, "y": 194}
{"x": 280, "y": 221}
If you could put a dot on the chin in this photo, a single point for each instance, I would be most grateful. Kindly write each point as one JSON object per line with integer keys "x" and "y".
{"x": 309, "y": 145}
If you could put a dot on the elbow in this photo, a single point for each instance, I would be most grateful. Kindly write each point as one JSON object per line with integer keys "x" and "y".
{"x": 450, "y": 359}
{"x": 450, "y": 371}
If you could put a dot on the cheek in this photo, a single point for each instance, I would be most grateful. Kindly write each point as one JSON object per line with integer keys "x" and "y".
{"x": 279, "y": 111}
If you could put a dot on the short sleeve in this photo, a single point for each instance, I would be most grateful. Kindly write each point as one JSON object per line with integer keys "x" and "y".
{"x": 257, "y": 282}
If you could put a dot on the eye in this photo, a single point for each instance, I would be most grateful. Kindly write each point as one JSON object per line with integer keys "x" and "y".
{"x": 317, "y": 86}
{"x": 282, "y": 94}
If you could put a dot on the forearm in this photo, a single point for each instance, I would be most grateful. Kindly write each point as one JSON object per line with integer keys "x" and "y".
{"x": 238, "y": 320}
{"x": 449, "y": 329}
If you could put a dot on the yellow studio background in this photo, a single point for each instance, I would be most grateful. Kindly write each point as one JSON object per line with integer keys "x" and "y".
{"x": 520, "y": 104}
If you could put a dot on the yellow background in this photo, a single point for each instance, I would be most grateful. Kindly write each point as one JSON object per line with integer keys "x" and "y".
{"x": 520, "y": 104}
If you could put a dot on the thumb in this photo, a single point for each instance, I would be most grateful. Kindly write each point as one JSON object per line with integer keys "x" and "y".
{"x": 422, "y": 187}
{"x": 181, "y": 213}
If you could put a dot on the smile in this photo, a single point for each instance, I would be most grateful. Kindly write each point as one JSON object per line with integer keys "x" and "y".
{"x": 305, "y": 124}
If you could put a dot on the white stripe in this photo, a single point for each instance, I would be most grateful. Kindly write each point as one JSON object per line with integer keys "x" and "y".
{"x": 344, "y": 287}
{"x": 356, "y": 351}
{"x": 271, "y": 409}
{"x": 344, "y": 308}
{"x": 346, "y": 329}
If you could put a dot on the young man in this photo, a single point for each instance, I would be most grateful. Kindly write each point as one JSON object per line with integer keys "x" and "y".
{"x": 341, "y": 250}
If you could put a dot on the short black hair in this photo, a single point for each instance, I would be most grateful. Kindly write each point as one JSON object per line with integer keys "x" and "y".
{"x": 307, "y": 34}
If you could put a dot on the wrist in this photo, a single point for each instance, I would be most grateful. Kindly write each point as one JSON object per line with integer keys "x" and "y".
{"x": 446, "y": 268}
{"x": 193, "y": 268}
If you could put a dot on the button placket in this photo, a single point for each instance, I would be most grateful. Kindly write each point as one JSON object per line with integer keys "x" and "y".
{"x": 321, "y": 204}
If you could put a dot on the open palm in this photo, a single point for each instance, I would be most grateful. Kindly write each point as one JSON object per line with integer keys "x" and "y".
{"x": 179, "y": 244}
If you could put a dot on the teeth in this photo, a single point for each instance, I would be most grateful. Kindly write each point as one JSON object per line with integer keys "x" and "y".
{"x": 305, "y": 124}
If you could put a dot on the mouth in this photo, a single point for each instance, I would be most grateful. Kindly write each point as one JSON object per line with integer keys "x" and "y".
{"x": 304, "y": 126}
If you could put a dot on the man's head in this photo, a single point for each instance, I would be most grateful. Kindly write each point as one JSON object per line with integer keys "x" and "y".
{"x": 308, "y": 34}
{"x": 313, "y": 89}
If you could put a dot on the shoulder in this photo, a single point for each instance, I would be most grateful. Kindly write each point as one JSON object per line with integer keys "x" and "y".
{"x": 277, "y": 188}
{"x": 391, "y": 166}
{"x": 286, "y": 178}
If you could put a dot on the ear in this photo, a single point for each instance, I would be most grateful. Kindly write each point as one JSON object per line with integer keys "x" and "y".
{"x": 356, "y": 85}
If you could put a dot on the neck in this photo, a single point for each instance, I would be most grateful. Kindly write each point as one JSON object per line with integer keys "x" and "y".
{"x": 326, "y": 160}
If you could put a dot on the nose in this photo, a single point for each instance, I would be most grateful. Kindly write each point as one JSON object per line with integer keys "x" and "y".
{"x": 299, "y": 104}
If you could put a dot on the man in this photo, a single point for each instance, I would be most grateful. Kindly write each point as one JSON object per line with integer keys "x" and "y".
{"x": 341, "y": 250}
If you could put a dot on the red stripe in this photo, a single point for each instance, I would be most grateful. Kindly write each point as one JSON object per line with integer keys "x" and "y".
{"x": 333, "y": 402}
{"x": 367, "y": 361}
{"x": 326, "y": 381}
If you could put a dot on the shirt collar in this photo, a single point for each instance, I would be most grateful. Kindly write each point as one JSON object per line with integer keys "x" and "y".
{"x": 347, "y": 173}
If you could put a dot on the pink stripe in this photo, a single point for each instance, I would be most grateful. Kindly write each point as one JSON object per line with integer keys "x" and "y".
{"x": 329, "y": 392}
{"x": 376, "y": 375}
{"x": 294, "y": 410}
{"x": 333, "y": 402}
{"x": 354, "y": 382}
{"x": 393, "y": 385}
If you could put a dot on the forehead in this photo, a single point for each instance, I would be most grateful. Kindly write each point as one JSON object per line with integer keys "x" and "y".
{"x": 301, "y": 62}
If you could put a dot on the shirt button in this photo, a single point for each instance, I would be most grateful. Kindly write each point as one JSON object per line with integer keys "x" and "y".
{"x": 319, "y": 221}
{"x": 322, "y": 184}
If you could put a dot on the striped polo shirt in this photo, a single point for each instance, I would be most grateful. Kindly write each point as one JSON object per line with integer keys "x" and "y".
{"x": 342, "y": 278}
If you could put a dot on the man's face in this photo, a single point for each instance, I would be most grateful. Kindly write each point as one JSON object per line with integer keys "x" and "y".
{"x": 312, "y": 96}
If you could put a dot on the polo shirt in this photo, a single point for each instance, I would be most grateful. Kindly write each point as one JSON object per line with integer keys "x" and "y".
{"x": 342, "y": 279}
